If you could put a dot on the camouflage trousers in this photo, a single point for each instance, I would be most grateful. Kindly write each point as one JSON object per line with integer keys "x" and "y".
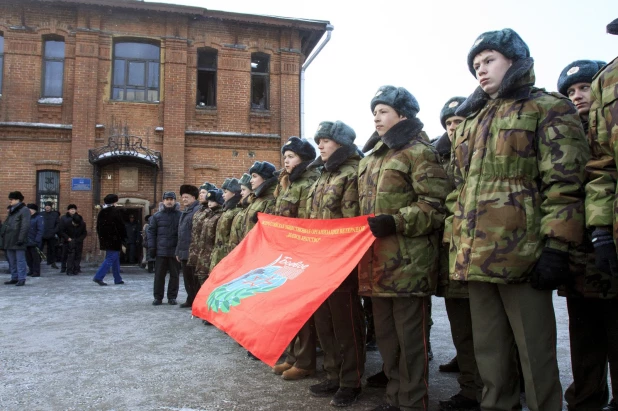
{"x": 301, "y": 351}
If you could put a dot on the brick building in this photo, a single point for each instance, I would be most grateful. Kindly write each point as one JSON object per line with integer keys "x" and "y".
{"x": 100, "y": 96}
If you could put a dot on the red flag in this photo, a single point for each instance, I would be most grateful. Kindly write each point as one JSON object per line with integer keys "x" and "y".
{"x": 263, "y": 292}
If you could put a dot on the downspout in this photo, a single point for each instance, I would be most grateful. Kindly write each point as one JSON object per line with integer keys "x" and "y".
{"x": 329, "y": 29}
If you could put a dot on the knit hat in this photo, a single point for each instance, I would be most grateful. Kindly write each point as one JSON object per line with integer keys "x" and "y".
{"x": 231, "y": 184}
{"x": 33, "y": 206}
{"x": 338, "y": 131}
{"x": 579, "y": 71}
{"x": 207, "y": 186}
{"x": 110, "y": 199}
{"x": 215, "y": 195}
{"x": 506, "y": 41}
{"x": 612, "y": 28}
{"x": 263, "y": 169}
{"x": 300, "y": 146}
{"x": 449, "y": 109}
{"x": 73, "y": 206}
{"x": 16, "y": 195}
{"x": 245, "y": 180}
{"x": 189, "y": 189}
{"x": 49, "y": 203}
{"x": 398, "y": 98}
{"x": 169, "y": 194}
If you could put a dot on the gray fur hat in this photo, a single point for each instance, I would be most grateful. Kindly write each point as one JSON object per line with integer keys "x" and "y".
{"x": 215, "y": 195}
{"x": 449, "y": 109}
{"x": 300, "y": 146}
{"x": 263, "y": 169}
{"x": 579, "y": 71}
{"x": 231, "y": 184}
{"x": 398, "y": 98}
{"x": 207, "y": 186}
{"x": 245, "y": 180}
{"x": 506, "y": 41}
{"x": 169, "y": 194}
{"x": 338, "y": 131}
{"x": 612, "y": 28}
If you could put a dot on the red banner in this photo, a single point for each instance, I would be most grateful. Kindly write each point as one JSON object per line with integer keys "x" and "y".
{"x": 263, "y": 292}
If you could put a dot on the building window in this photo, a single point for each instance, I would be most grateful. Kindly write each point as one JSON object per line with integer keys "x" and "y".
{"x": 260, "y": 81}
{"x": 48, "y": 188}
{"x": 53, "y": 67}
{"x": 136, "y": 72}
{"x": 206, "y": 77}
{"x": 1, "y": 59}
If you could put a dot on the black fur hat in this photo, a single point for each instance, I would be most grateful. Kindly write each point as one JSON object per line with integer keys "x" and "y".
{"x": 579, "y": 71}
{"x": 77, "y": 219}
{"x": 49, "y": 203}
{"x": 338, "y": 131}
{"x": 300, "y": 146}
{"x": 33, "y": 206}
{"x": 207, "y": 186}
{"x": 231, "y": 184}
{"x": 263, "y": 169}
{"x": 506, "y": 41}
{"x": 215, "y": 195}
{"x": 16, "y": 195}
{"x": 612, "y": 28}
{"x": 109, "y": 199}
{"x": 398, "y": 98}
{"x": 245, "y": 180}
{"x": 189, "y": 189}
{"x": 70, "y": 206}
{"x": 449, "y": 109}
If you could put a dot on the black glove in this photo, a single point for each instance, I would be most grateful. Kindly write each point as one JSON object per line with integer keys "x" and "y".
{"x": 551, "y": 270}
{"x": 19, "y": 243}
{"x": 254, "y": 218}
{"x": 152, "y": 252}
{"x": 382, "y": 225}
{"x": 605, "y": 256}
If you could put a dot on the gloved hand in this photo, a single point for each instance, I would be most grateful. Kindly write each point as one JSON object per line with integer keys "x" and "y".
{"x": 605, "y": 256}
{"x": 382, "y": 225}
{"x": 551, "y": 270}
{"x": 152, "y": 252}
{"x": 19, "y": 243}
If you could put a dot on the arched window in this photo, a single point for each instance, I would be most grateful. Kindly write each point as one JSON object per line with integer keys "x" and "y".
{"x": 260, "y": 81}
{"x": 206, "y": 77}
{"x": 53, "y": 67}
{"x": 136, "y": 71}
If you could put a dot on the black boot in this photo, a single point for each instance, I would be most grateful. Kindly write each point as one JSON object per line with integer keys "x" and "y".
{"x": 451, "y": 366}
{"x": 460, "y": 403}
{"x": 378, "y": 380}
{"x": 345, "y": 396}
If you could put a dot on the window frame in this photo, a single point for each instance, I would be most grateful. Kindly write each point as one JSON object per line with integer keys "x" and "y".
{"x": 50, "y": 195}
{"x": 215, "y": 52}
{"x": 126, "y": 75}
{"x": 264, "y": 77}
{"x": 46, "y": 60}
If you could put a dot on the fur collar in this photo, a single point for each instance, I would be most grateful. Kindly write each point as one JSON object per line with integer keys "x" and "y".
{"x": 263, "y": 188}
{"x": 232, "y": 202}
{"x": 443, "y": 145}
{"x": 336, "y": 159}
{"x": 398, "y": 136}
{"x": 169, "y": 209}
{"x": 244, "y": 202}
{"x": 298, "y": 171}
{"x": 516, "y": 84}
{"x": 17, "y": 208}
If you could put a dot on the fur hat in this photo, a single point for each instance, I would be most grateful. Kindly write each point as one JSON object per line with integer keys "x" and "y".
{"x": 612, "y": 28}
{"x": 338, "y": 131}
{"x": 16, "y": 195}
{"x": 263, "y": 169}
{"x": 169, "y": 194}
{"x": 77, "y": 219}
{"x": 231, "y": 184}
{"x": 33, "y": 206}
{"x": 579, "y": 71}
{"x": 215, "y": 195}
{"x": 300, "y": 146}
{"x": 506, "y": 41}
{"x": 207, "y": 186}
{"x": 49, "y": 203}
{"x": 449, "y": 109}
{"x": 245, "y": 180}
{"x": 110, "y": 199}
{"x": 398, "y": 98}
{"x": 189, "y": 189}
{"x": 73, "y": 206}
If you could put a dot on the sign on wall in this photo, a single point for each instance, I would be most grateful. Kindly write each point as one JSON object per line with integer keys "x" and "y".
{"x": 129, "y": 179}
{"x": 81, "y": 184}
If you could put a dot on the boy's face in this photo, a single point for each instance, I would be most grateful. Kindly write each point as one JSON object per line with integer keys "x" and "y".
{"x": 579, "y": 94}
{"x": 490, "y": 67}
{"x": 385, "y": 117}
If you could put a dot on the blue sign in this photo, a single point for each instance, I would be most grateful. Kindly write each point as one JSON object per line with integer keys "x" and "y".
{"x": 81, "y": 184}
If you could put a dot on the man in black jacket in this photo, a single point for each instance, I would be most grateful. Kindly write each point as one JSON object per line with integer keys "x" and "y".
{"x": 188, "y": 194}
{"x": 162, "y": 242}
{"x": 74, "y": 234}
{"x": 50, "y": 229}
{"x": 67, "y": 220}
{"x": 111, "y": 232}
{"x": 14, "y": 237}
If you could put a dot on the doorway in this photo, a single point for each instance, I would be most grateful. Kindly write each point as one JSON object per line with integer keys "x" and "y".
{"x": 133, "y": 222}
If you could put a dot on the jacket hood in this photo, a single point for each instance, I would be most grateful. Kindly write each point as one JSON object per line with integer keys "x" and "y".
{"x": 397, "y": 136}
{"x": 336, "y": 159}
{"x": 516, "y": 84}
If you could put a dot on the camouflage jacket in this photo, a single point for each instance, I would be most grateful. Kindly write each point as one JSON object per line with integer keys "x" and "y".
{"x": 520, "y": 160}
{"x": 335, "y": 194}
{"x": 292, "y": 191}
{"x": 402, "y": 177}
{"x": 224, "y": 226}
{"x": 196, "y": 246}
{"x": 262, "y": 200}
{"x": 207, "y": 237}
{"x": 601, "y": 204}
{"x": 237, "y": 230}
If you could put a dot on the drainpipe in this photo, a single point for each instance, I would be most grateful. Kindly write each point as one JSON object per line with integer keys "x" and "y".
{"x": 329, "y": 29}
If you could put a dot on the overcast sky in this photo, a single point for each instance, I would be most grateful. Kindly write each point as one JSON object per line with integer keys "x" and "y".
{"x": 422, "y": 46}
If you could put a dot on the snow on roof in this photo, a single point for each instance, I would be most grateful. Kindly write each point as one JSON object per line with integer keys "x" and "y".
{"x": 34, "y": 125}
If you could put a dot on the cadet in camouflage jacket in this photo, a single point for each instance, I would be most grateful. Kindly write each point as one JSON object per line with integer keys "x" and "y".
{"x": 293, "y": 189}
{"x": 208, "y": 234}
{"x": 224, "y": 225}
{"x": 262, "y": 200}
{"x": 197, "y": 245}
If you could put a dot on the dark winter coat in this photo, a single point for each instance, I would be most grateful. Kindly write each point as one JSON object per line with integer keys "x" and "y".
{"x": 50, "y": 224}
{"x": 133, "y": 235}
{"x": 35, "y": 233}
{"x": 15, "y": 228}
{"x": 110, "y": 229}
{"x": 163, "y": 231}
{"x": 77, "y": 234}
{"x": 65, "y": 220}
{"x": 184, "y": 230}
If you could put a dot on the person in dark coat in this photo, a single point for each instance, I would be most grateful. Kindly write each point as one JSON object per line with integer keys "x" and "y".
{"x": 50, "y": 230}
{"x": 133, "y": 239}
{"x": 162, "y": 242}
{"x": 111, "y": 233}
{"x": 35, "y": 241}
{"x": 74, "y": 234}
{"x": 14, "y": 236}
{"x": 66, "y": 220}
{"x": 188, "y": 195}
